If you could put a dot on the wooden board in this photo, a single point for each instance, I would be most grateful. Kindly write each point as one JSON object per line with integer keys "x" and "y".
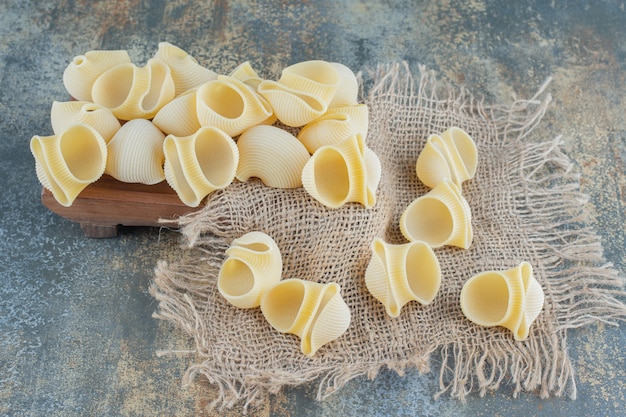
{"x": 104, "y": 205}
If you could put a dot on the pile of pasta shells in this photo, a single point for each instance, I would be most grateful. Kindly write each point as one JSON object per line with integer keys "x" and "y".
{"x": 174, "y": 120}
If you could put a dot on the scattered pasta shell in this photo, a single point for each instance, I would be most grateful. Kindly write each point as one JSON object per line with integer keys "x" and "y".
{"x": 512, "y": 299}
{"x": 401, "y": 273}
{"x": 80, "y": 75}
{"x": 199, "y": 164}
{"x": 65, "y": 114}
{"x": 337, "y": 125}
{"x": 346, "y": 172}
{"x": 230, "y": 105}
{"x": 312, "y": 311}
{"x": 314, "y": 78}
{"x": 187, "y": 73}
{"x": 348, "y": 90}
{"x": 252, "y": 266}
{"x": 135, "y": 154}
{"x": 440, "y": 217}
{"x": 68, "y": 162}
{"x": 133, "y": 92}
{"x": 247, "y": 75}
{"x": 273, "y": 155}
{"x": 178, "y": 117}
{"x": 452, "y": 155}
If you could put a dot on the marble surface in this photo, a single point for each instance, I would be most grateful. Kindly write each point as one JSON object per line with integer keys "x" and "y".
{"x": 77, "y": 336}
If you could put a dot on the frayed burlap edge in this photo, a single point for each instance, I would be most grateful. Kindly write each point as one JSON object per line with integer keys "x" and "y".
{"x": 582, "y": 290}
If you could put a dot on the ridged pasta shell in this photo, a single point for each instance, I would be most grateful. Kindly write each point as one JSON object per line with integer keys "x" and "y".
{"x": 312, "y": 311}
{"x": 230, "y": 105}
{"x": 252, "y": 266}
{"x": 187, "y": 73}
{"x": 199, "y": 164}
{"x": 401, "y": 273}
{"x": 68, "y": 162}
{"x": 348, "y": 90}
{"x": 346, "y": 172}
{"x": 178, "y": 117}
{"x": 65, "y": 114}
{"x": 314, "y": 78}
{"x": 273, "y": 155}
{"x": 133, "y": 92}
{"x": 135, "y": 154}
{"x": 82, "y": 72}
{"x": 452, "y": 155}
{"x": 440, "y": 217}
{"x": 337, "y": 125}
{"x": 247, "y": 75}
{"x": 512, "y": 299}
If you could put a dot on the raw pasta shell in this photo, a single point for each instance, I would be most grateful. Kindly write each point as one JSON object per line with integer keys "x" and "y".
{"x": 398, "y": 274}
{"x": 312, "y": 311}
{"x": 135, "y": 154}
{"x": 359, "y": 117}
{"x": 337, "y": 174}
{"x": 512, "y": 299}
{"x": 432, "y": 165}
{"x": 292, "y": 107}
{"x": 348, "y": 90}
{"x": 68, "y": 162}
{"x": 65, "y": 114}
{"x": 133, "y": 92}
{"x": 247, "y": 75}
{"x": 83, "y": 71}
{"x": 440, "y": 217}
{"x": 187, "y": 73}
{"x": 337, "y": 125}
{"x": 178, "y": 117}
{"x": 273, "y": 155}
{"x": 252, "y": 266}
{"x": 230, "y": 105}
{"x": 463, "y": 153}
{"x": 199, "y": 164}
{"x": 313, "y": 78}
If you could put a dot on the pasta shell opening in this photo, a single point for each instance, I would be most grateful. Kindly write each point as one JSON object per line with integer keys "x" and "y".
{"x": 282, "y": 303}
{"x": 423, "y": 272}
{"x": 80, "y": 75}
{"x": 113, "y": 87}
{"x": 485, "y": 299}
{"x": 240, "y": 278}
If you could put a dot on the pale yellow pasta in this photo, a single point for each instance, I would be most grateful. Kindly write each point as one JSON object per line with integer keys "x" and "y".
{"x": 247, "y": 75}
{"x": 65, "y": 114}
{"x": 252, "y": 266}
{"x": 230, "y": 105}
{"x": 512, "y": 299}
{"x": 313, "y": 311}
{"x": 273, "y": 155}
{"x": 338, "y": 174}
{"x": 135, "y": 154}
{"x": 132, "y": 92}
{"x": 440, "y": 217}
{"x": 452, "y": 155}
{"x": 178, "y": 117}
{"x": 68, "y": 162}
{"x": 187, "y": 73}
{"x": 199, "y": 164}
{"x": 82, "y": 72}
{"x": 337, "y": 125}
{"x": 399, "y": 273}
{"x": 348, "y": 89}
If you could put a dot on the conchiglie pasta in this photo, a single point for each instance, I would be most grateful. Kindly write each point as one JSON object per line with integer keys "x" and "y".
{"x": 187, "y": 73}
{"x": 314, "y": 312}
{"x": 337, "y": 125}
{"x": 348, "y": 89}
{"x": 65, "y": 114}
{"x": 273, "y": 155}
{"x": 512, "y": 299}
{"x": 178, "y": 117}
{"x": 247, "y": 75}
{"x": 80, "y": 75}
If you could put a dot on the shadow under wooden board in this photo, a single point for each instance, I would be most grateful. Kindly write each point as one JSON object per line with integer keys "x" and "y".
{"x": 108, "y": 203}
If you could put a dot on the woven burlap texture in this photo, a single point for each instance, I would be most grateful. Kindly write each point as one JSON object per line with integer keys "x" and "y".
{"x": 526, "y": 206}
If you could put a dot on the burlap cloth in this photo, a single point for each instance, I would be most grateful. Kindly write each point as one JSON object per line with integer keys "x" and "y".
{"x": 526, "y": 206}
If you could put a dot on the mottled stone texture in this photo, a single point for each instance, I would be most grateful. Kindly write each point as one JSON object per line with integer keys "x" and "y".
{"x": 76, "y": 332}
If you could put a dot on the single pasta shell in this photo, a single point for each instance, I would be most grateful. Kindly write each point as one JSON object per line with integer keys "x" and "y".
{"x": 292, "y": 107}
{"x": 432, "y": 164}
{"x": 247, "y": 75}
{"x": 135, "y": 154}
{"x": 273, "y": 155}
{"x": 312, "y": 78}
{"x": 133, "y": 92}
{"x": 348, "y": 90}
{"x": 329, "y": 129}
{"x": 398, "y": 274}
{"x": 312, "y": 311}
{"x": 337, "y": 174}
{"x": 462, "y": 153}
{"x": 83, "y": 71}
{"x": 187, "y": 73}
{"x": 199, "y": 164}
{"x": 512, "y": 299}
{"x": 374, "y": 170}
{"x": 230, "y": 105}
{"x": 178, "y": 117}
{"x": 440, "y": 217}
{"x": 68, "y": 162}
{"x": 65, "y": 114}
{"x": 252, "y": 266}
{"x": 359, "y": 117}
